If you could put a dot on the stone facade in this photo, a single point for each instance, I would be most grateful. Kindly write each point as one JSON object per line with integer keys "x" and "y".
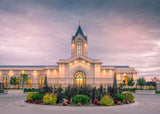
{"x": 78, "y": 69}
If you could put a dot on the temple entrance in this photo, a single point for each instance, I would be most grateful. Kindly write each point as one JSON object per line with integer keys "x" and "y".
{"x": 125, "y": 80}
{"x": 79, "y": 79}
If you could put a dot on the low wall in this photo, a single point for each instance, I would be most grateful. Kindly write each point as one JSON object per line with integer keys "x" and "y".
{"x": 14, "y": 91}
{"x": 158, "y": 86}
{"x": 145, "y": 92}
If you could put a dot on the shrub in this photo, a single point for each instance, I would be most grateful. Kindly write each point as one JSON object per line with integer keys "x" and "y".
{"x": 29, "y": 96}
{"x": 129, "y": 97}
{"x": 112, "y": 91}
{"x": 83, "y": 99}
{"x": 50, "y": 99}
{"x": 120, "y": 97}
{"x": 37, "y": 96}
{"x": 107, "y": 100}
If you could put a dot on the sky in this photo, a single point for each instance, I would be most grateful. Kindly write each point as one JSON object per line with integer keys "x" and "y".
{"x": 120, "y": 32}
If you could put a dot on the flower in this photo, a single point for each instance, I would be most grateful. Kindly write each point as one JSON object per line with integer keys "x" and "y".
{"x": 95, "y": 101}
{"x": 117, "y": 102}
{"x": 64, "y": 104}
{"x": 98, "y": 103}
{"x": 68, "y": 102}
{"x": 28, "y": 100}
{"x": 36, "y": 102}
{"x": 126, "y": 102}
{"x": 79, "y": 104}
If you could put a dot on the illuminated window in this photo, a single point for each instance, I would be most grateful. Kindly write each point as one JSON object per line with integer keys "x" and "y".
{"x": 41, "y": 81}
{"x": 29, "y": 82}
{"x": 79, "y": 47}
{"x": 5, "y": 82}
{"x": 79, "y": 79}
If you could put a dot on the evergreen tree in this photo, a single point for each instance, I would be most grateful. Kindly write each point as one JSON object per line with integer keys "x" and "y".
{"x": 115, "y": 82}
{"x": 45, "y": 80}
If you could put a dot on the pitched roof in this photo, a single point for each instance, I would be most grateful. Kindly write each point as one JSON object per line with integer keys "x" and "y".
{"x": 79, "y": 30}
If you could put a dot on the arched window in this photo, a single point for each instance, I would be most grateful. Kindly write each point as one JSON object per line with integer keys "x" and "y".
{"x": 79, "y": 47}
{"x": 79, "y": 78}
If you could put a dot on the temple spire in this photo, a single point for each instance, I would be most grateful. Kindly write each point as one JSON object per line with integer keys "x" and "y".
{"x": 79, "y": 22}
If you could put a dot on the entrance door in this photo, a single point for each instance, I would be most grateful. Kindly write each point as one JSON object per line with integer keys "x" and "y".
{"x": 79, "y": 79}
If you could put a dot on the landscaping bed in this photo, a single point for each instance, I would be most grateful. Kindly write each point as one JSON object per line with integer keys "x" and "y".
{"x": 83, "y": 96}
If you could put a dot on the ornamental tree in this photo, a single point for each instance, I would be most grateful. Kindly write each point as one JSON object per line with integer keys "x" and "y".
{"x": 13, "y": 81}
{"x": 130, "y": 82}
{"x": 141, "y": 81}
{"x": 23, "y": 78}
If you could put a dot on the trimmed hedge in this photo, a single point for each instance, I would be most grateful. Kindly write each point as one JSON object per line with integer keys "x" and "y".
{"x": 83, "y": 99}
{"x": 37, "y": 96}
{"x": 31, "y": 90}
{"x": 120, "y": 97}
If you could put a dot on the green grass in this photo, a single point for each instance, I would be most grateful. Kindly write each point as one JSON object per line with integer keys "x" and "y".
{"x": 157, "y": 92}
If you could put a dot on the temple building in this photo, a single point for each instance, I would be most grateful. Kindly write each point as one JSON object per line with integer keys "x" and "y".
{"x": 79, "y": 69}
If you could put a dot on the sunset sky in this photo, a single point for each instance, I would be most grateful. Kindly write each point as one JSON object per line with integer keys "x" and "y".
{"x": 120, "y": 32}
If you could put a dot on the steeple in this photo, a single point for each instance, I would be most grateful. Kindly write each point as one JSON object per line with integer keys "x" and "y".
{"x": 79, "y": 30}
{"x": 79, "y": 43}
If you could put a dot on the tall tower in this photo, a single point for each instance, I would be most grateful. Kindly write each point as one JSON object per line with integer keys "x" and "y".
{"x": 79, "y": 43}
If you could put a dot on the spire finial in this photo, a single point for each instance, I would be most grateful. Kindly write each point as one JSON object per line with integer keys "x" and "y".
{"x": 79, "y": 22}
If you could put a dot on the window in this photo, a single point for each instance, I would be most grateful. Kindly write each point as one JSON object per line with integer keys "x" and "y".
{"x": 79, "y": 79}
{"x": 5, "y": 82}
{"x": 29, "y": 82}
{"x": 79, "y": 47}
{"x": 41, "y": 81}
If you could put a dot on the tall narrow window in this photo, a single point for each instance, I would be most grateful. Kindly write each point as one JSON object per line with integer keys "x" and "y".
{"x": 29, "y": 82}
{"x": 79, "y": 47}
{"x": 5, "y": 82}
{"x": 41, "y": 81}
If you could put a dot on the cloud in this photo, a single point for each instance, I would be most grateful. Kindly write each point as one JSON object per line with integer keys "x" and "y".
{"x": 120, "y": 32}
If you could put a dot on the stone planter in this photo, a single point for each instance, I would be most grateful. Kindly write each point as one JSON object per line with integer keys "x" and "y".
{"x": 18, "y": 91}
{"x": 145, "y": 92}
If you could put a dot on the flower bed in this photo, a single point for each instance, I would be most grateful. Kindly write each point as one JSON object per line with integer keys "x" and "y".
{"x": 83, "y": 96}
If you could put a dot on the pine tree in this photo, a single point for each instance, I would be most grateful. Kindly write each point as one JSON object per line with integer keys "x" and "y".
{"x": 115, "y": 82}
{"x": 45, "y": 80}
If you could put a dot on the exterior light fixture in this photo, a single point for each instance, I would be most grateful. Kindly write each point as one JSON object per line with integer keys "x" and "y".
{"x": 75, "y": 61}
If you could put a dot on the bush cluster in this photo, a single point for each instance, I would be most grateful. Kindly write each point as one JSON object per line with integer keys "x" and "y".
{"x": 83, "y": 99}
{"x": 129, "y": 97}
{"x": 37, "y": 96}
{"x": 50, "y": 99}
{"x": 120, "y": 97}
{"x": 107, "y": 100}
{"x": 31, "y": 90}
{"x": 29, "y": 96}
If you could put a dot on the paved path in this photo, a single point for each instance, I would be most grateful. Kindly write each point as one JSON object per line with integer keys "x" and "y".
{"x": 13, "y": 104}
